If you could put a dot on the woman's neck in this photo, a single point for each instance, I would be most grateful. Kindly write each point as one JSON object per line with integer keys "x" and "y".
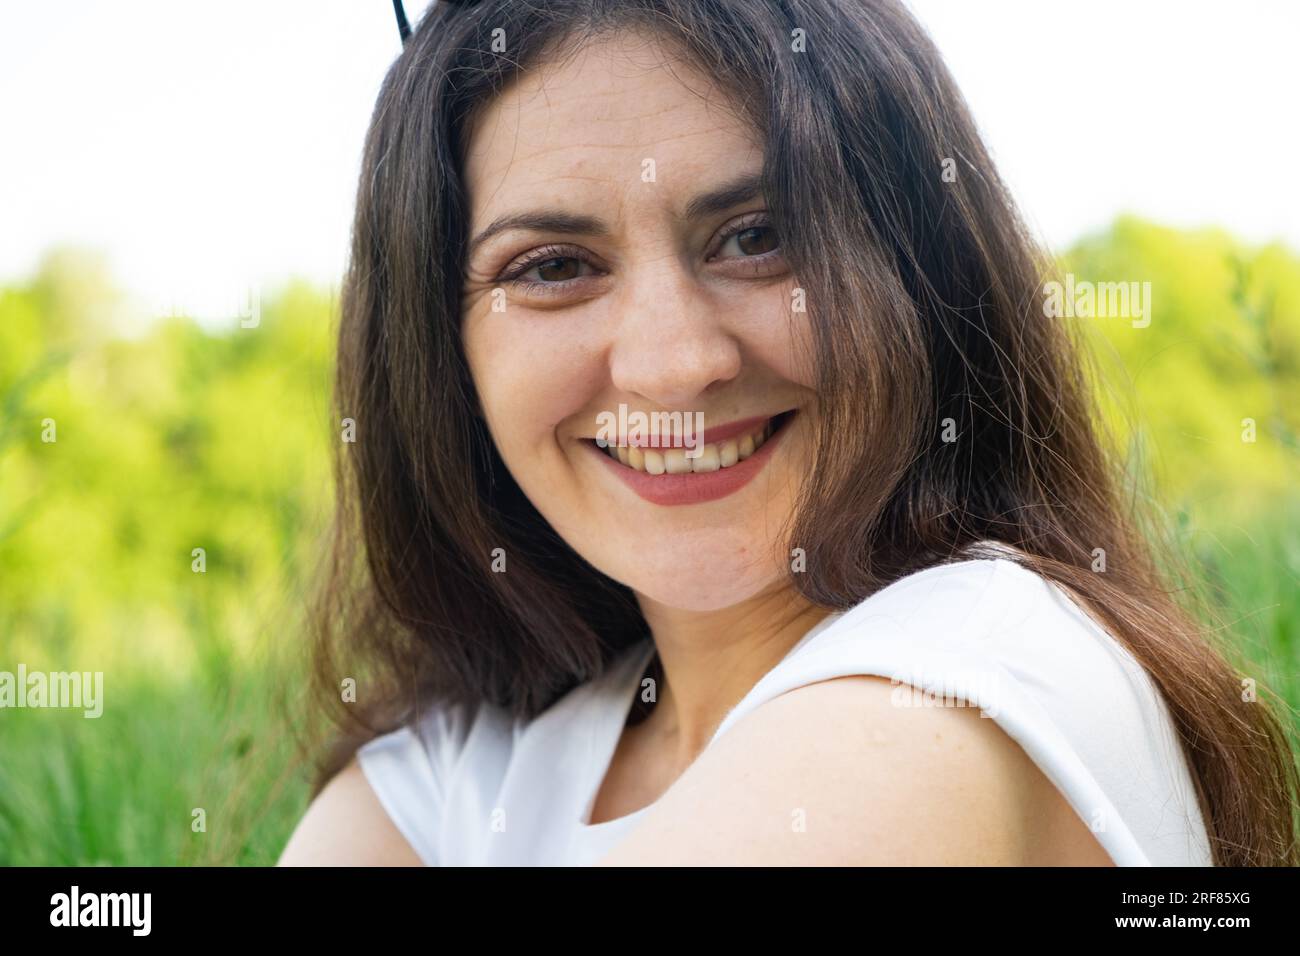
{"x": 711, "y": 660}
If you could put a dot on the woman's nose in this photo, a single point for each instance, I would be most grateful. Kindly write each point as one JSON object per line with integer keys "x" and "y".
{"x": 671, "y": 342}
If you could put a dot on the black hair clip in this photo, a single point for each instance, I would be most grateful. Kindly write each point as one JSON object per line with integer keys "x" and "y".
{"x": 403, "y": 28}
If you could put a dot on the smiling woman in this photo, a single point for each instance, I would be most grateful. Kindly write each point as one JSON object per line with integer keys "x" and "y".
{"x": 585, "y": 647}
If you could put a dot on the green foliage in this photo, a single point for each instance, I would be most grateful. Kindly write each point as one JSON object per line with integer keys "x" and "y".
{"x": 184, "y": 439}
{"x": 1222, "y": 347}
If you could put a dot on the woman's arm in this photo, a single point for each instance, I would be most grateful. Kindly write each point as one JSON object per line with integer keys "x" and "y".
{"x": 835, "y": 773}
{"x": 347, "y": 826}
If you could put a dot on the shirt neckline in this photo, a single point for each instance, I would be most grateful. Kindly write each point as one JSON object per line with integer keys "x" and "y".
{"x": 605, "y": 733}
{"x": 603, "y": 740}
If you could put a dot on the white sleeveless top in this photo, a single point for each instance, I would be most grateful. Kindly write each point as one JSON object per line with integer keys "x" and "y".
{"x": 482, "y": 788}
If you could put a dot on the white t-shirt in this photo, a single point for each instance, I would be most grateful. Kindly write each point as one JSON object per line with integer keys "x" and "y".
{"x": 470, "y": 787}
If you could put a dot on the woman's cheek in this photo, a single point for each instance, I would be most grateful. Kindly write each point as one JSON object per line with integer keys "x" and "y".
{"x": 531, "y": 377}
{"x": 775, "y": 329}
{"x": 790, "y": 340}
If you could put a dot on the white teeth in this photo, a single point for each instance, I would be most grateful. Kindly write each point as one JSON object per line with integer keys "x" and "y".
{"x": 709, "y": 460}
{"x": 673, "y": 461}
{"x": 676, "y": 462}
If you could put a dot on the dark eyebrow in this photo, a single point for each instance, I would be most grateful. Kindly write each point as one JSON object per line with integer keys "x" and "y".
{"x": 738, "y": 191}
{"x": 542, "y": 221}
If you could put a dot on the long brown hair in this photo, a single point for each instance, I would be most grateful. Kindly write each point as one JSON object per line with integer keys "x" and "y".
{"x": 925, "y": 295}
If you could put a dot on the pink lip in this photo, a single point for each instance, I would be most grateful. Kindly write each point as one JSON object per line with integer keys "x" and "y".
{"x": 704, "y": 436}
{"x": 695, "y": 488}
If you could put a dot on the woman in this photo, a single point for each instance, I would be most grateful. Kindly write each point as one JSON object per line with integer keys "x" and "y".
{"x": 887, "y": 607}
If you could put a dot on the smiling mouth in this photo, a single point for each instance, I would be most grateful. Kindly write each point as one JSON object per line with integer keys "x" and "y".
{"x": 715, "y": 456}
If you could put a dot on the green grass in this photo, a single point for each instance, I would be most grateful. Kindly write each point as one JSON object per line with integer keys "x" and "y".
{"x": 1254, "y": 574}
{"x": 119, "y": 790}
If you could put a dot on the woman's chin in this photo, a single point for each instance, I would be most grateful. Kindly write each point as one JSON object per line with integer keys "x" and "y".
{"x": 703, "y": 592}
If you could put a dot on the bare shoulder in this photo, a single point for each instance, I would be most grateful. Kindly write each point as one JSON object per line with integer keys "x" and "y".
{"x": 346, "y": 825}
{"x": 839, "y": 773}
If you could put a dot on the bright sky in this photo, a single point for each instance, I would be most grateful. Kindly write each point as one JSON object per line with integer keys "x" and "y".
{"x": 211, "y": 147}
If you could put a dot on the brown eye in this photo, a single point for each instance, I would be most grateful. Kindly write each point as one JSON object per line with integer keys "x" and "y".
{"x": 756, "y": 240}
{"x": 548, "y": 266}
{"x": 558, "y": 269}
{"x": 749, "y": 241}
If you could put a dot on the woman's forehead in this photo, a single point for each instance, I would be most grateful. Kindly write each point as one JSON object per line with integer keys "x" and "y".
{"x": 598, "y": 120}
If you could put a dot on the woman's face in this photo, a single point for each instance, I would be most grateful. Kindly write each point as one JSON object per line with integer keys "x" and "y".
{"x": 621, "y": 260}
